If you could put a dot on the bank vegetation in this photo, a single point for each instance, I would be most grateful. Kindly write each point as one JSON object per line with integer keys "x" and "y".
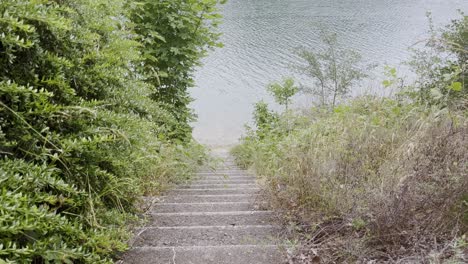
{"x": 371, "y": 179}
{"x": 93, "y": 115}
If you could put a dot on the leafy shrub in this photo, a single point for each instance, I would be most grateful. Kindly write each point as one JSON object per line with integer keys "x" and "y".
{"x": 81, "y": 134}
{"x": 41, "y": 221}
{"x": 441, "y": 66}
{"x": 175, "y": 34}
{"x": 283, "y": 92}
{"x": 334, "y": 70}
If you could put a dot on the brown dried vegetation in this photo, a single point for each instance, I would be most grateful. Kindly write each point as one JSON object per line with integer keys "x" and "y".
{"x": 371, "y": 182}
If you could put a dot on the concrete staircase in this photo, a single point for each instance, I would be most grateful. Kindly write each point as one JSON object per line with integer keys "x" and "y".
{"x": 215, "y": 220}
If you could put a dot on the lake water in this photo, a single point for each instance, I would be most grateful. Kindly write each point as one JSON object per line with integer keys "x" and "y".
{"x": 261, "y": 35}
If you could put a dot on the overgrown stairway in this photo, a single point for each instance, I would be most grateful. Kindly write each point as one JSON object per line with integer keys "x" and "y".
{"x": 215, "y": 220}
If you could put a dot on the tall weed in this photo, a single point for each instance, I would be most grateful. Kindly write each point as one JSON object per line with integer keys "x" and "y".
{"x": 394, "y": 173}
{"x": 376, "y": 179}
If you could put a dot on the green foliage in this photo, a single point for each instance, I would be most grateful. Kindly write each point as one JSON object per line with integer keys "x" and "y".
{"x": 442, "y": 68}
{"x": 264, "y": 119}
{"x": 82, "y": 134}
{"x": 334, "y": 70}
{"x": 175, "y": 35}
{"x": 283, "y": 92}
{"x": 40, "y": 217}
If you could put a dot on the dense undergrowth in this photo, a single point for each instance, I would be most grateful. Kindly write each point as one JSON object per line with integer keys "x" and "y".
{"x": 93, "y": 114}
{"x": 375, "y": 179}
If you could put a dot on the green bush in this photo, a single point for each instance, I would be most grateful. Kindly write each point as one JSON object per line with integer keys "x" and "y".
{"x": 441, "y": 66}
{"x": 174, "y": 35}
{"x": 82, "y": 135}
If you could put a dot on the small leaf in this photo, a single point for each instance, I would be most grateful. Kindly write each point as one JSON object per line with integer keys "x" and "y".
{"x": 456, "y": 86}
{"x": 163, "y": 74}
{"x": 386, "y": 83}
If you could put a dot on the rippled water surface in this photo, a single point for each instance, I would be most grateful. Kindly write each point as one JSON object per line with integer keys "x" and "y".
{"x": 260, "y": 37}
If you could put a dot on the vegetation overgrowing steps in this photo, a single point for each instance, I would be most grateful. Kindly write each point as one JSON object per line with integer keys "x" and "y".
{"x": 94, "y": 113}
{"x": 219, "y": 222}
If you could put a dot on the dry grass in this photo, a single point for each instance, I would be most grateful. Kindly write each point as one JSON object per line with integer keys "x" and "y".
{"x": 375, "y": 181}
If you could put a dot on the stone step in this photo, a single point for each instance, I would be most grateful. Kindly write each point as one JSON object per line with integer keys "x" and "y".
{"x": 205, "y": 207}
{"x": 238, "y": 254}
{"x": 222, "y": 191}
{"x": 223, "y": 169}
{"x": 214, "y": 177}
{"x": 213, "y": 219}
{"x": 228, "y": 167}
{"x": 207, "y": 236}
{"x": 225, "y": 181}
{"x": 239, "y": 218}
{"x": 209, "y": 198}
{"x": 197, "y": 185}
{"x": 230, "y": 171}
{"x": 218, "y": 177}
{"x": 218, "y": 173}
